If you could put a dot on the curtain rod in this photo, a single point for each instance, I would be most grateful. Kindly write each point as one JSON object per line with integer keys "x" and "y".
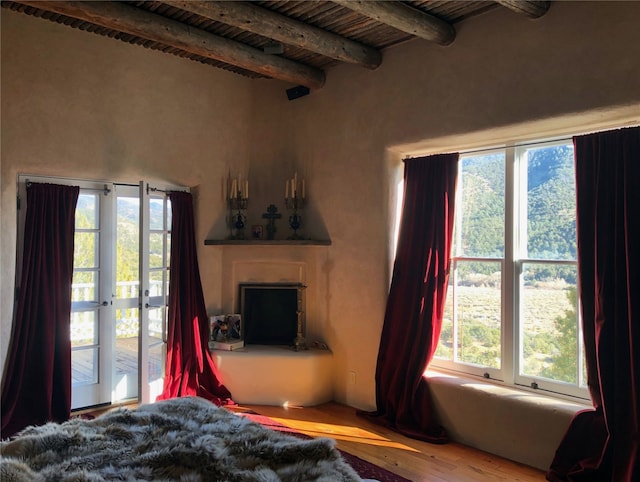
{"x": 104, "y": 190}
{"x": 155, "y": 189}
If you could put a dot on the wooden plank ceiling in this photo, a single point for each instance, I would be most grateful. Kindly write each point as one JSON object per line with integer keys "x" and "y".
{"x": 293, "y": 41}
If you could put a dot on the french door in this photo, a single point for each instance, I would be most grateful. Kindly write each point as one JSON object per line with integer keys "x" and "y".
{"x": 119, "y": 291}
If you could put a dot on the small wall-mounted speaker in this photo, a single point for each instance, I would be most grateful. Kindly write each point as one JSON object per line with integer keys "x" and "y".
{"x": 295, "y": 92}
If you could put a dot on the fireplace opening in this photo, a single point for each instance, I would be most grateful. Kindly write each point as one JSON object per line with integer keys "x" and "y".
{"x": 269, "y": 312}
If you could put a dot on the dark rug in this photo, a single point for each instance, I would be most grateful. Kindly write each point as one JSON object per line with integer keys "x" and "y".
{"x": 365, "y": 469}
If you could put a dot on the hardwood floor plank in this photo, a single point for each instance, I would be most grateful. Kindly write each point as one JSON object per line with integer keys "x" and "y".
{"x": 413, "y": 459}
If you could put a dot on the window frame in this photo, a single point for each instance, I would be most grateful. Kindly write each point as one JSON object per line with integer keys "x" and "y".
{"x": 513, "y": 260}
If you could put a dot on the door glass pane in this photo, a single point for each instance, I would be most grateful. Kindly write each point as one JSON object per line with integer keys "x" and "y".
{"x": 156, "y": 325}
{"x": 84, "y": 328}
{"x": 87, "y": 211}
{"x": 84, "y": 366}
{"x": 85, "y": 249}
{"x": 156, "y": 250}
{"x": 549, "y": 328}
{"x": 83, "y": 287}
{"x": 156, "y": 214}
{"x": 128, "y": 243}
{"x": 551, "y": 203}
{"x": 156, "y": 283}
{"x": 168, "y": 253}
{"x": 477, "y": 312}
{"x": 125, "y": 384}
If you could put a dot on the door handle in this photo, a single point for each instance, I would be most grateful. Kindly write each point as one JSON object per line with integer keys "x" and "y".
{"x": 148, "y": 306}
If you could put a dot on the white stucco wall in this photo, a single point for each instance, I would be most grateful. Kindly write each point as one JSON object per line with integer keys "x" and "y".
{"x": 84, "y": 106}
{"x": 504, "y": 78}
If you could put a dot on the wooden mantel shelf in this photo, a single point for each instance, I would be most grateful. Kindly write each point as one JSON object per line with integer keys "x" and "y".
{"x": 263, "y": 242}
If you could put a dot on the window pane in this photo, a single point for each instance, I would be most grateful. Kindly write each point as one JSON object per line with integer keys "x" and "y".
{"x": 480, "y": 225}
{"x": 551, "y": 203}
{"x": 549, "y": 327}
{"x": 445, "y": 344}
{"x": 477, "y": 313}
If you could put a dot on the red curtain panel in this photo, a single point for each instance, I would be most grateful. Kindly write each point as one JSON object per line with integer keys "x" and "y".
{"x": 602, "y": 444}
{"x": 37, "y": 382}
{"x": 415, "y": 304}
{"x": 190, "y": 370}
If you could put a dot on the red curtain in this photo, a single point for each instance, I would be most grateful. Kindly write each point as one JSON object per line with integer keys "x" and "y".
{"x": 37, "y": 382}
{"x": 415, "y": 304}
{"x": 602, "y": 444}
{"x": 189, "y": 369}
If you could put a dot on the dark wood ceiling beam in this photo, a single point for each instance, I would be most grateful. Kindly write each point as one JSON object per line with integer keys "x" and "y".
{"x": 278, "y": 27}
{"x": 530, "y": 8}
{"x": 121, "y": 17}
{"x": 404, "y": 18}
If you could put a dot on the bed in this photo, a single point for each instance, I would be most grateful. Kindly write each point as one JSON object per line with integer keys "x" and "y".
{"x": 188, "y": 439}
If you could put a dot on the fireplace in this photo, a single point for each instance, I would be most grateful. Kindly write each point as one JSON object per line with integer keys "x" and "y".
{"x": 270, "y": 312}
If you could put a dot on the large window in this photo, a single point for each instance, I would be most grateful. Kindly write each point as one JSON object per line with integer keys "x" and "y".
{"x": 512, "y": 307}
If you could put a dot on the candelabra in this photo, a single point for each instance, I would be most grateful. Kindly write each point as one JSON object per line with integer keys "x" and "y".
{"x": 295, "y": 202}
{"x": 238, "y": 200}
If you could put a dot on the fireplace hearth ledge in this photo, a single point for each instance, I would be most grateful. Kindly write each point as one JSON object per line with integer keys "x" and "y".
{"x": 276, "y": 375}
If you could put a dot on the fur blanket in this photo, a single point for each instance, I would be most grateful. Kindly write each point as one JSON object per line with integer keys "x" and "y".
{"x": 187, "y": 439}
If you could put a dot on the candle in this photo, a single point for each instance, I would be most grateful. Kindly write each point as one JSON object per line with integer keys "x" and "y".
{"x": 246, "y": 189}
{"x": 286, "y": 189}
{"x": 234, "y": 188}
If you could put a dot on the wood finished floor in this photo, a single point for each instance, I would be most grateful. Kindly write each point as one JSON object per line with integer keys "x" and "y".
{"x": 415, "y": 460}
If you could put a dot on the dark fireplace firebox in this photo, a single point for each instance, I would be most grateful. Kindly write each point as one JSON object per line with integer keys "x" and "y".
{"x": 272, "y": 313}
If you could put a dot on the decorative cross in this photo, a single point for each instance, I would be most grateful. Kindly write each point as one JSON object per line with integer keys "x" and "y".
{"x": 272, "y": 214}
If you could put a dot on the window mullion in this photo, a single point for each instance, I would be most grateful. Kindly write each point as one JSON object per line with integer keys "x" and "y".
{"x": 509, "y": 275}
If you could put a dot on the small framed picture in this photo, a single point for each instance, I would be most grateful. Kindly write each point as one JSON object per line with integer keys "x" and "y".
{"x": 225, "y": 327}
{"x": 256, "y": 231}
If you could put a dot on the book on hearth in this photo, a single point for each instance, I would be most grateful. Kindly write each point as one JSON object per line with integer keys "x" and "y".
{"x": 229, "y": 345}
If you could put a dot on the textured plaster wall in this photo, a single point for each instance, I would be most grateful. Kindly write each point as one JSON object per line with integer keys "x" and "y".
{"x": 504, "y": 78}
{"x": 83, "y": 106}
{"x": 87, "y": 107}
